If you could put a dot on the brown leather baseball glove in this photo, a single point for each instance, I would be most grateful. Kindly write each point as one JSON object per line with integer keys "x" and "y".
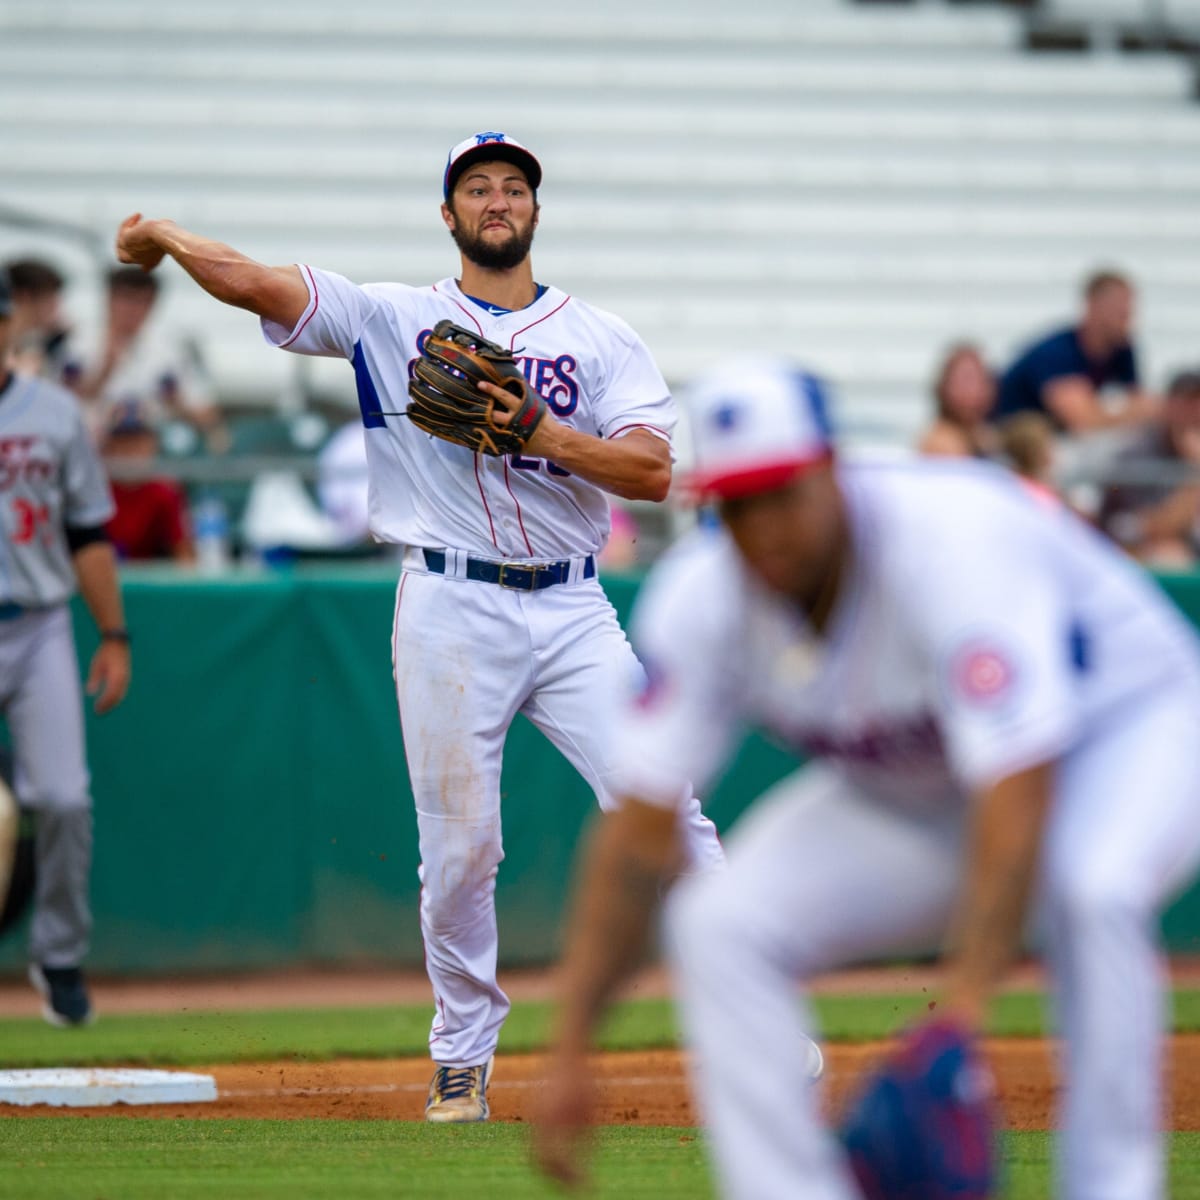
{"x": 445, "y": 399}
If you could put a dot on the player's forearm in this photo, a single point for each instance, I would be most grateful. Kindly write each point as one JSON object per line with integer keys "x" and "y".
{"x": 277, "y": 293}
{"x": 99, "y": 584}
{"x": 630, "y": 856}
{"x": 634, "y": 467}
{"x": 1002, "y": 862}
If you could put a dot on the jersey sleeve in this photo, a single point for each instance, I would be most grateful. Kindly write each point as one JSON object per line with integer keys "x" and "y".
{"x": 332, "y": 323}
{"x": 87, "y": 500}
{"x": 1002, "y": 642}
{"x": 678, "y": 727}
{"x": 635, "y": 395}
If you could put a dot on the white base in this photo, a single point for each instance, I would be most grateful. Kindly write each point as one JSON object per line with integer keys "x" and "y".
{"x": 86, "y": 1087}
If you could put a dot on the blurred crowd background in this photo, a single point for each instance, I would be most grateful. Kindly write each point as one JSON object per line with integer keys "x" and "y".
{"x": 979, "y": 221}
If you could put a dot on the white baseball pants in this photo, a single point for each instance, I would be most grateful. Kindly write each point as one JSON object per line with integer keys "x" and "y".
{"x": 468, "y": 657}
{"x": 822, "y": 875}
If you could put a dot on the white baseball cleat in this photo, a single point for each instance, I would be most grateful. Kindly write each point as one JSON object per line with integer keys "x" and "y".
{"x": 459, "y": 1094}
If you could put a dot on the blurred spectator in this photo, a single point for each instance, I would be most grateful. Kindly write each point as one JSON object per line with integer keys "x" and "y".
{"x": 39, "y": 330}
{"x": 1159, "y": 522}
{"x": 139, "y": 362}
{"x": 342, "y": 483}
{"x": 965, "y": 391}
{"x": 1064, "y": 374}
{"x": 1027, "y": 442}
{"x": 151, "y": 519}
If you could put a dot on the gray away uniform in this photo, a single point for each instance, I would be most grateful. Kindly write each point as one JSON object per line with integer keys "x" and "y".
{"x": 50, "y": 478}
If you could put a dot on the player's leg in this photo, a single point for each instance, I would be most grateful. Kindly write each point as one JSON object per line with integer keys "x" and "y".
{"x": 817, "y": 876}
{"x": 46, "y": 718}
{"x": 460, "y": 667}
{"x": 584, "y": 666}
{"x": 1123, "y": 836}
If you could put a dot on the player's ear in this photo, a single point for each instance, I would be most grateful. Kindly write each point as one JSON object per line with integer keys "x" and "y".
{"x": 537, "y": 212}
{"x": 448, "y": 217}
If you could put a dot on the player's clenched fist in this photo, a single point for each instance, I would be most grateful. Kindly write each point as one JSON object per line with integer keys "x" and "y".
{"x": 136, "y": 244}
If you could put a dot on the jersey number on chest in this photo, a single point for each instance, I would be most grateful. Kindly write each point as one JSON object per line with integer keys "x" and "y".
{"x": 521, "y": 463}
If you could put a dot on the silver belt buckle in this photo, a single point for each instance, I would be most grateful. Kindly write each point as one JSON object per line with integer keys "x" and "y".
{"x": 519, "y": 587}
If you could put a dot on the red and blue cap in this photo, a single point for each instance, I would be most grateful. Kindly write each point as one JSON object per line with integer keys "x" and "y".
{"x": 489, "y": 147}
{"x": 756, "y": 424}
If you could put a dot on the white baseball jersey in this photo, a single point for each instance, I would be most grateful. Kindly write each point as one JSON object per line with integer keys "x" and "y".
{"x": 979, "y": 632}
{"x": 594, "y": 372}
{"x": 49, "y": 478}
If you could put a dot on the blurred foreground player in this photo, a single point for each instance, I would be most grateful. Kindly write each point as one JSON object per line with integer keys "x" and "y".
{"x": 1001, "y": 710}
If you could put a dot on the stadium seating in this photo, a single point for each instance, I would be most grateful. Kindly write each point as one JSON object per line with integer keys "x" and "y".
{"x": 856, "y": 184}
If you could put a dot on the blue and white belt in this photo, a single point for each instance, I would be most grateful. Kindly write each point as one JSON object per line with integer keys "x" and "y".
{"x": 521, "y": 577}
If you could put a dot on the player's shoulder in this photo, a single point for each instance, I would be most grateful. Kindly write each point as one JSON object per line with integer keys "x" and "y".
{"x": 694, "y": 584}
{"x": 925, "y": 504}
{"x": 51, "y": 401}
{"x": 391, "y": 292}
{"x": 601, "y": 320}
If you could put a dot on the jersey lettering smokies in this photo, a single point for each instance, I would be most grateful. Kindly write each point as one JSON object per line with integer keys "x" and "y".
{"x": 594, "y": 372}
{"x": 980, "y": 632}
{"x": 50, "y": 477}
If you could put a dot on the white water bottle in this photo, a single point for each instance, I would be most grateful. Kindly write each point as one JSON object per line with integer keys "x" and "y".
{"x": 212, "y": 535}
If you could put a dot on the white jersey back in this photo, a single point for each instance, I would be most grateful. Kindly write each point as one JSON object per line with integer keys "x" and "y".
{"x": 50, "y": 478}
{"x": 980, "y": 632}
{"x": 593, "y": 370}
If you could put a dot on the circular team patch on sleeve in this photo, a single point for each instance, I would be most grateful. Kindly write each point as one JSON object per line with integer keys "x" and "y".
{"x": 981, "y": 673}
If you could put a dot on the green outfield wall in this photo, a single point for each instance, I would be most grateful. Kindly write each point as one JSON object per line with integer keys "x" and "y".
{"x": 252, "y": 805}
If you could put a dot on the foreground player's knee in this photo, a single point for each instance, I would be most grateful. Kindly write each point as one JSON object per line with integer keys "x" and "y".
{"x": 1090, "y": 899}
{"x": 697, "y": 918}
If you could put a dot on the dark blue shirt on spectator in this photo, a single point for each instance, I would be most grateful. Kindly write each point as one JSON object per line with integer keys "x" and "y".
{"x": 1056, "y": 357}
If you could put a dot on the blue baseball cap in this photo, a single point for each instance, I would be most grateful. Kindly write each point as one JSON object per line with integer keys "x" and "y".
{"x": 756, "y": 424}
{"x": 489, "y": 147}
{"x": 5, "y": 294}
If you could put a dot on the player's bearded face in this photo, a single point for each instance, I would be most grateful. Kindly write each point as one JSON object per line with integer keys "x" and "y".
{"x": 790, "y": 536}
{"x": 492, "y": 248}
{"x": 493, "y": 219}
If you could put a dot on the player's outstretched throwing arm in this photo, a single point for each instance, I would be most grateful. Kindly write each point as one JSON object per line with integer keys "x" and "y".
{"x": 277, "y": 294}
{"x": 636, "y": 466}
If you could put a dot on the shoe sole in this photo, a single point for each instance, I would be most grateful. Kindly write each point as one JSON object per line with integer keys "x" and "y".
{"x": 49, "y": 1014}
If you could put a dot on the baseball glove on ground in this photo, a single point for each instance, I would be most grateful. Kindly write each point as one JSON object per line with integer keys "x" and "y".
{"x": 923, "y": 1127}
{"x": 445, "y": 399}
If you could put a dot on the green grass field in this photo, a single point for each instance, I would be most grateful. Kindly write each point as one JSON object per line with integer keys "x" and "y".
{"x": 119, "y": 1158}
{"x": 183, "y": 1039}
{"x": 91, "y": 1157}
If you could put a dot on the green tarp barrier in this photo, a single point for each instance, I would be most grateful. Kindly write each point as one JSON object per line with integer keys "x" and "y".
{"x": 252, "y": 805}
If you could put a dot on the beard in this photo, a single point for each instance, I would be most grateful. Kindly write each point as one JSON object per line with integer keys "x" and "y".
{"x": 494, "y": 256}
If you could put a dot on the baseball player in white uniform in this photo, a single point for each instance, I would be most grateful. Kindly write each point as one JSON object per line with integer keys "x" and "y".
{"x": 54, "y": 502}
{"x": 998, "y": 706}
{"x": 498, "y": 608}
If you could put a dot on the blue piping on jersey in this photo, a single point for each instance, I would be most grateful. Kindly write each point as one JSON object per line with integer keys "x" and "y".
{"x": 496, "y": 311}
{"x": 368, "y": 397}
